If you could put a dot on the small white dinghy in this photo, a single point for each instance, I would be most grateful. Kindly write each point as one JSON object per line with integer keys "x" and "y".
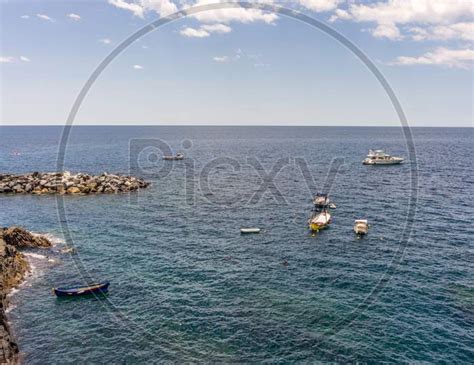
{"x": 249, "y": 230}
{"x": 361, "y": 227}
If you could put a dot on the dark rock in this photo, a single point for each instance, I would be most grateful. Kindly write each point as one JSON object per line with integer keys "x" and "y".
{"x": 21, "y": 238}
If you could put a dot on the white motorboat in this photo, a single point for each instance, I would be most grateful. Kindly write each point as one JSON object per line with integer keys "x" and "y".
{"x": 379, "y": 157}
{"x": 319, "y": 221}
{"x": 361, "y": 227}
{"x": 249, "y": 230}
{"x": 321, "y": 200}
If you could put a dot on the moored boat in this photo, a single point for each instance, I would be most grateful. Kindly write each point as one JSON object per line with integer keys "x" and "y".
{"x": 178, "y": 156}
{"x": 319, "y": 221}
{"x": 321, "y": 200}
{"x": 69, "y": 291}
{"x": 379, "y": 157}
{"x": 249, "y": 230}
{"x": 361, "y": 227}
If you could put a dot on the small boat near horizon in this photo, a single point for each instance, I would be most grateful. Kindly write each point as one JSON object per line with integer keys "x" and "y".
{"x": 379, "y": 157}
{"x": 178, "y": 156}
{"x": 361, "y": 227}
{"x": 77, "y": 290}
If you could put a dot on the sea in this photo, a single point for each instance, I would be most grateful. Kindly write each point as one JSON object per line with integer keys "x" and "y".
{"x": 187, "y": 286}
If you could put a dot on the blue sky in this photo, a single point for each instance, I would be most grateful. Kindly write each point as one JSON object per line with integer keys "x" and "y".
{"x": 237, "y": 66}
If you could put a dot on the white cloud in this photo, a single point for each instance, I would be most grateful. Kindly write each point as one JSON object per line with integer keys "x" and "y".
{"x": 460, "y": 58}
{"x": 340, "y": 14}
{"x": 195, "y": 33}
{"x": 221, "y": 59}
{"x": 7, "y": 59}
{"x": 161, "y": 7}
{"x": 74, "y": 16}
{"x": 135, "y": 8}
{"x": 424, "y": 16}
{"x": 320, "y": 5}
{"x": 138, "y": 67}
{"x": 11, "y": 59}
{"x": 25, "y": 17}
{"x": 45, "y": 17}
{"x": 105, "y": 41}
{"x": 412, "y": 11}
{"x": 217, "y": 28}
{"x": 228, "y": 15}
{"x": 205, "y": 30}
{"x": 464, "y": 31}
{"x": 389, "y": 31}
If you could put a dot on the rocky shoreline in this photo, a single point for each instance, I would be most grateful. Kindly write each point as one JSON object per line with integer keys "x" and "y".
{"x": 14, "y": 268}
{"x": 67, "y": 183}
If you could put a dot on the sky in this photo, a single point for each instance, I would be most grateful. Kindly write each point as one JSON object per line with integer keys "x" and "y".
{"x": 237, "y": 66}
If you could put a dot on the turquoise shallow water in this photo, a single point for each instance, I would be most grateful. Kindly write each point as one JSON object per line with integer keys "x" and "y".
{"x": 186, "y": 286}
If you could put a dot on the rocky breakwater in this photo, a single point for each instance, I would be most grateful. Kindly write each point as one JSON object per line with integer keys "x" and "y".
{"x": 67, "y": 183}
{"x": 13, "y": 269}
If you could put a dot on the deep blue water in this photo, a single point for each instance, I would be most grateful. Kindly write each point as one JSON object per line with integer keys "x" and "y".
{"x": 186, "y": 286}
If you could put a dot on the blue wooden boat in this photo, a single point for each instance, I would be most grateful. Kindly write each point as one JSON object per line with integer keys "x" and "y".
{"x": 70, "y": 291}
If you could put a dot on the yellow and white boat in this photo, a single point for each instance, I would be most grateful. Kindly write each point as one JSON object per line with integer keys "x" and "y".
{"x": 319, "y": 221}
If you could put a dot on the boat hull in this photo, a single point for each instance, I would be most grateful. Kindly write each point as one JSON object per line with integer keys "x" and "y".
{"x": 100, "y": 288}
{"x": 382, "y": 162}
{"x": 249, "y": 230}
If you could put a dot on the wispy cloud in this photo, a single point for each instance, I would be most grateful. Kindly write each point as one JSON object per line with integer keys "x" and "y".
{"x": 7, "y": 59}
{"x": 25, "y": 17}
{"x": 320, "y": 5}
{"x": 194, "y": 33}
{"x": 73, "y": 16}
{"x": 138, "y": 67}
{"x": 11, "y": 59}
{"x": 135, "y": 8}
{"x": 238, "y": 14}
{"x": 428, "y": 19}
{"x": 455, "y": 58}
{"x": 221, "y": 59}
{"x": 205, "y": 30}
{"x": 463, "y": 31}
{"x": 240, "y": 56}
{"x": 389, "y": 31}
{"x": 105, "y": 41}
{"x": 45, "y": 17}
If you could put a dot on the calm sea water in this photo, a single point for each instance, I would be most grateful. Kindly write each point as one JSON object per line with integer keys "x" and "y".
{"x": 186, "y": 286}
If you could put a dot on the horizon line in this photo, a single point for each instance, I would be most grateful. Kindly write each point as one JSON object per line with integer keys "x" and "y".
{"x": 232, "y": 125}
